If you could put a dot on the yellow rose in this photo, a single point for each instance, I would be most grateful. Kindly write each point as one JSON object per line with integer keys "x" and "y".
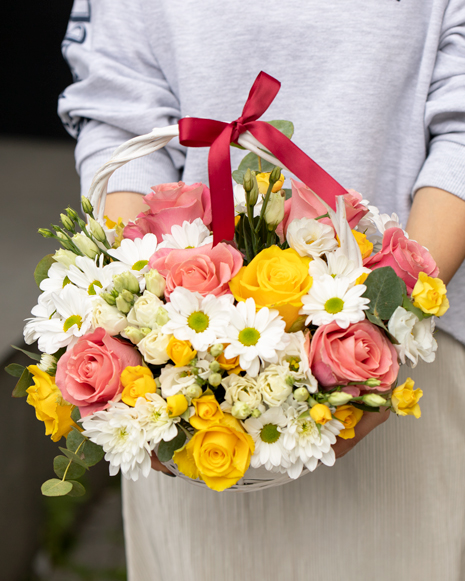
{"x": 137, "y": 381}
{"x": 349, "y": 416}
{"x": 366, "y": 247}
{"x": 404, "y": 399}
{"x": 180, "y": 352}
{"x": 263, "y": 181}
{"x": 207, "y": 412}
{"x": 320, "y": 414}
{"x": 50, "y": 406}
{"x": 177, "y": 405}
{"x": 229, "y": 365}
{"x": 429, "y": 295}
{"x": 219, "y": 455}
{"x": 276, "y": 279}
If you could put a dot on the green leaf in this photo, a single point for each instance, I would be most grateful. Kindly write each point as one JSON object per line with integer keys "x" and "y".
{"x": 238, "y": 176}
{"x": 409, "y": 306}
{"x": 363, "y": 407}
{"x": 74, "y": 457}
{"x": 34, "y": 356}
{"x": 41, "y": 271}
{"x": 167, "y": 449}
{"x": 376, "y": 320}
{"x": 288, "y": 192}
{"x": 286, "y": 127}
{"x": 251, "y": 161}
{"x": 55, "y": 487}
{"x": 24, "y": 383}
{"x": 384, "y": 291}
{"x": 77, "y": 489}
{"x": 89, "y": 452}
{"x": 74, "y": 440}
{"x": 15, "y": 369}
{"x": 93, "y": 453}
{"x": 76, "y": 415}
{"x": 61, "y": 464}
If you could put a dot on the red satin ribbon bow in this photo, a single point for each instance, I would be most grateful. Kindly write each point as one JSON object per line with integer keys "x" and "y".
{"x": 197, "y": 132}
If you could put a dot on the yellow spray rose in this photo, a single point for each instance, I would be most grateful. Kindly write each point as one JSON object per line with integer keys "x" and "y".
{"x": 219, "y": 455}
{"x": 180, "y": 352}
{"x": 429, "y": 295}
{"x": 50, "y": 406}
{"x": 177, "y": 405}
{"x": 320, "y": 414}
{"x": 229, "y": 365}
{"x": 276, "y": 279}
{"x": 405, "y": 399}
{"x": 207, "y": 412}
{"x": 263, "y": 181}
{"x": 137, "y": 381}
{"x": 349, "y": 416}
{"x": 366, "y": 247}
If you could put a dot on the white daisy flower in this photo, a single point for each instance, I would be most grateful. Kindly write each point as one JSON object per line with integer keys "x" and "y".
{"x": 267, "y": 433}
{"x": 337, "y": 265}
{"x": 135, "y": 254}
{"x": 310, "y": 237}
{"x": 415, "y": 337}
{"x": 154, "y": 419}
{"x": 91, "y": 275}
{"x": 43, "y": 312}
{"x": 200, "y": 320}
{"x": 189, "y": 235}
{"x": 239, "y": 201}
{"x": 123, "y": 439}
{"x": 332, "y": 299}
{"x": 254, "y": 336}
{"x": 57, "y": 278}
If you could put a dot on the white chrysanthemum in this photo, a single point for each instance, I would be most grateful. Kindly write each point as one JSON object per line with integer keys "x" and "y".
{"x": 90, "y": 274}
{"x": 306, "y": 443}
{"x": 154, "y": 419}
{"x": 56, "y": 280}
{"x": 189, "y": 235}
{"x": 135, "y": 254}
{"x": 254, "y": 336}
{"x": 239, "y": 201}
{"x": 295, "y": 356}
{"x": 374, "y": 224}
{"x": 415, "y": 337}
{"x": 200, "y": 320}
{"x": 332, "y": 299}
{"x": 267, "y": 433}
{"x": 123, "y": 439}
{"x": 310, "y": 237}
{"x": 175, "y": 380}
{"x": 337, "y": 265}
{"x": 240, "y": 389}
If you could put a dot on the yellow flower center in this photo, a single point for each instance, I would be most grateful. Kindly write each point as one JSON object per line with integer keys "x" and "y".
{"x": 270, "y": 434}
{"x": 91, "y": 290}
{"x": 140, "y": 264}
{"x": 198, "y": 321}
{"x": 334, "y": 305}
{"x": 249, "y": 336}
{"x": 73, "y": 320}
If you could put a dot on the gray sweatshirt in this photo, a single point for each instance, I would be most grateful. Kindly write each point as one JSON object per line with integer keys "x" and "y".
{"x": 375, "y": 88}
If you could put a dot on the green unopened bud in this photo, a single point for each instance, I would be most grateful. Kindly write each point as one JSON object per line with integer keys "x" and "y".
{"x": 290, "y": 380}
{"x": 301, "y": 394}
{"x": 87, "y": 206}
{"x": 274, "y": 211}
{"x": 48, "y": 363}
{"x": 312, "y": 401}
{"x": 126, "y": 281}
{"x": 96, "y": 230}
{"x": 134, "y": 334}
{"x": 215, "y": 379}
{"x": 373, "y": 400}
{"x": 252, "y": 196}
{"x": 240, "y": 410}
{"x": 85, "y": 245}
{"x": 157, "y": 382}
{"x": 247, "y": 182}
{"x": 256, "y": 413}
{"x": 298, "y": 324}
{"x": 122, "y": 305}
{"x": 67, "y": 223}
{"x": 193, "y": 391}
{"x": 275, "y": 174}
{"x": 109, "y": 298}
{"x": 72, "y": 214}
{"x": 45, "y": 233}
{"x": 339, "y": 398}
{"x": 215, "y": 366}
{"x": 127, "y": 296}
{"x": 145, "y": 330}
{"x": 65, "y": 257}
{"x": 216, "y": 349}
{"x": 372, "y": 382}
{"x": 162, "y": 317}
{"x": 155, "y": 283}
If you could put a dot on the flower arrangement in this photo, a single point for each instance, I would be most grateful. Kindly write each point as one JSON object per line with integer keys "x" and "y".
{"x": 225, "y": 357}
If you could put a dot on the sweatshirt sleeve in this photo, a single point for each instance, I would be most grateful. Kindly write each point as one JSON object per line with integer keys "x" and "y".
{"x": 118, "y": 92}
{"x": 444, "y": 166}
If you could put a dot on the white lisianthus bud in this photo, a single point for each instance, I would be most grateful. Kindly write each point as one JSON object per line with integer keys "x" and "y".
{"x": 48, "y": 363}
{"x": 161, "y": 317}
{"x": 373, "y": 400}
{"x": 126, "y": 281}
{"x": 339, "y": 398}
{"x": 153, "y": 347}
{"x": 256, "y": 413}
{"x": 215, "y": 379}
{"x": 240, "y": 411}
{"x": 67, "y": 222}
{"x": 145, "y": 312}
{"x": 155, "y": 283}
{"x": 216, "y": 349}
{"x": 134, "y": 334}
{"x": 274, "y": 212}
{"x": 193, "y": 391}
{"x": 109, "y": 298}
{"x": 301, "y": 394}
{"x": 215, "y": 366}
{"x": 85, "y": 245}
{"x": 122, "y": 304}
{"x": 86, "y": 205}
{"x": 107, "y": 317}
{"x": 96, "y": 230}
{"x": 372, "y": 382}
{"x": 65, "y": 257}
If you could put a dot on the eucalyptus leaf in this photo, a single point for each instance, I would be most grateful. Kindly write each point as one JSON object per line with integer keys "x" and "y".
{"x": 93, "y": 453}
{"x": 74, "y": 440}
{"x": 34, "y": 356}
{"x": 167, "y": 449}
{"x": 363, "y": 407}
{"x": 76, "y": 415}
{"x": 62, "y": 465}
{"x": 384, "y": 291}
{"x": 250, "y": 161}
{"x": 25, "y": 381}
{"x": 375, "y": 320}
{"x": 74, "y": 457}
{"x": 77, "y": 488}
{"x": 15, "y": 370}
{"x": 286, "y": 127}
{"x": 288, "y": 193}
{"x": 41, "y": 271}
{"x": 238, "y": 176}
{"x": 55, "y": 487}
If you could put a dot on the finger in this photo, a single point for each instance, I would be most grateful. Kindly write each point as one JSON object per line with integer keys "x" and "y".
{"x": 158, "y": 466}
{"x": 369, "y": 422}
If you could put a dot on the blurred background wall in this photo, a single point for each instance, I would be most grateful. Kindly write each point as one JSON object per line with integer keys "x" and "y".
{"x": 37, "y": 181}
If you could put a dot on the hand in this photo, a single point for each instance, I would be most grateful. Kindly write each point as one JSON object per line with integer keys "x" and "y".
{"x": 369, "y": 422}
{"x": 159, "y": 467}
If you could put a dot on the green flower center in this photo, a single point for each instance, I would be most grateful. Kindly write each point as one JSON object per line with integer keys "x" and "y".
{"x": 249, "y": 336}
{"x": 198, "y": 321}
{"x": 91, "y": 290}
{"x": 270, "y": 434}
{"x": 140, "y": 264}
{"x": 73, "y": 320}
{"x": 334, "y": 305}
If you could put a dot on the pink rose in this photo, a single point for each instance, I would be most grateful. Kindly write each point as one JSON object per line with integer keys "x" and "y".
{"x": 206, "y": 270}
{"x": 171, "y": 204}
{"x": 340, "y": 356}
{"x": 407, "y": 257}
{"x": 88, "y": 375}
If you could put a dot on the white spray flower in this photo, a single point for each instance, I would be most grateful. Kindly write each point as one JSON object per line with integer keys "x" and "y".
{"x": 310, "y": 237}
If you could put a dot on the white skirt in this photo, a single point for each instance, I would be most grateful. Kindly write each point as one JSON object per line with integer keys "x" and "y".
{"x": 393, "y": 509}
